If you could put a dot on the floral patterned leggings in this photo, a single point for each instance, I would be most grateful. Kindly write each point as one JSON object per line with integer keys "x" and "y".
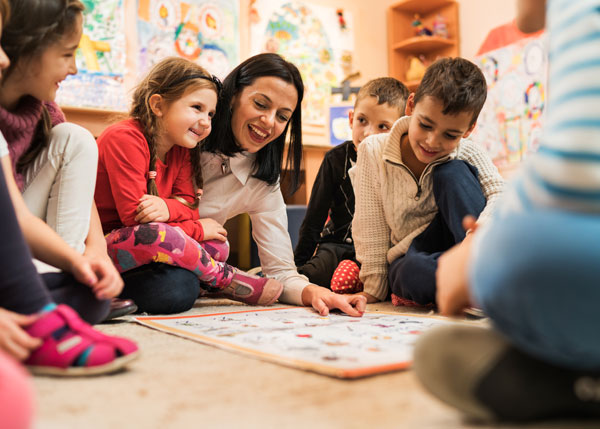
{"x": 133, "y": 246}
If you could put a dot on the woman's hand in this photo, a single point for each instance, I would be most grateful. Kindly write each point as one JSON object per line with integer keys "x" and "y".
{"x": 14, "y": 340}
{"x": 213, "y": 230}
{"x": 323, "y": 300}
{"x": 99, "y": 273}
{"x": 152, "y": 209}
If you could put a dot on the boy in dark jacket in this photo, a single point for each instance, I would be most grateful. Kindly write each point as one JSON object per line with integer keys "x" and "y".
{"x": 327, "y": 226}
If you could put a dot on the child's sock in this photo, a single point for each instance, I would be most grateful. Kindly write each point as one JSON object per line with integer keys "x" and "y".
{"x": 346, "y": 279}
{"x": 399, "y": 301}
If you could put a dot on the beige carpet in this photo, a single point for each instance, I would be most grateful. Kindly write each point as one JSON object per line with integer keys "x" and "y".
{"x": 178, "y": 383}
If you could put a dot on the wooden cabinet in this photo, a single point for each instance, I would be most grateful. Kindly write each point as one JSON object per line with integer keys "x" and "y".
{"x": 404, "y": 44}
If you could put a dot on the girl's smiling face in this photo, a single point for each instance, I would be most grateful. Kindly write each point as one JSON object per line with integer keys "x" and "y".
{"x": 261, "y": 112}
{"x": 53, "y": 66}
{"x": 187, "y": 121}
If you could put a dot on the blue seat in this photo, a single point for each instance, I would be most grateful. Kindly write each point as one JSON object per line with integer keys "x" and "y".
{"x": 295, "y": 215}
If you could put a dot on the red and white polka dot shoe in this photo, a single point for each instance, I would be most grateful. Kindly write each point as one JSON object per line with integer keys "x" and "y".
{"x": 345, "y": 278}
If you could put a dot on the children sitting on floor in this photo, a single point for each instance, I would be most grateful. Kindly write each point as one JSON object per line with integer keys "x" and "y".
{"x": 414, "y": 185}
{"x": 150, "y": 181}
{"x": 322, "y": 247}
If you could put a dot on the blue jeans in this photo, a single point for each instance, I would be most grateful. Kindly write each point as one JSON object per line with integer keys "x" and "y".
{"x": 457, "y": 194}
{"x": 160, "y": 288}
{"x": 537, "y": 275}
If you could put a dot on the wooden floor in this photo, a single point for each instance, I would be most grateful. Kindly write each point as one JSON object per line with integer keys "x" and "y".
{"x": 178, "y": 383}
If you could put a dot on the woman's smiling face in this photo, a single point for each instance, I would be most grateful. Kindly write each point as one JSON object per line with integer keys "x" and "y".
{"x": 261, "y": 111}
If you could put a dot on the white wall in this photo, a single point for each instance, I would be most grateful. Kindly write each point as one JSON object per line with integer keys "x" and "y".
{"x": 477, "y": 18}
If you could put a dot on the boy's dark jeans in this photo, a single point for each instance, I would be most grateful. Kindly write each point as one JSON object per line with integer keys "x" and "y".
{"x": 457, "y": 194}
{"x": 320, "y": 268}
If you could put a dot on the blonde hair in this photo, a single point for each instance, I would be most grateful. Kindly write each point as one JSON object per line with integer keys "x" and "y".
{"x": 171, "y": 78}
{"x": 385, "y": 90}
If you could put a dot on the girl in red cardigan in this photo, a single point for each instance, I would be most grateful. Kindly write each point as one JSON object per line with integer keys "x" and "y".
{"x": 145, "y": 189}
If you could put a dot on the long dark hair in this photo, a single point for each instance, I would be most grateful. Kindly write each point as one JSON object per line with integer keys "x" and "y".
{"x": 34, "y": 25}
{"x": 171, "y": 78}
{"x": 269, "y": 160}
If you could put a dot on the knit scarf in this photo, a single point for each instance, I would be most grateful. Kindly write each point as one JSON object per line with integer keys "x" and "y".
{"x": 19, "y": 126}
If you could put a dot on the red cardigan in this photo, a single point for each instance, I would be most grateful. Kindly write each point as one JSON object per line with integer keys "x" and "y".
{"x": 123, "y": 165}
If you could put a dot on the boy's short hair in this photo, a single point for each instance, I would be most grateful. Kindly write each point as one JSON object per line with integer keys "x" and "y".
{"x": 385, "y": 90}
{"x": 457, "y": 83}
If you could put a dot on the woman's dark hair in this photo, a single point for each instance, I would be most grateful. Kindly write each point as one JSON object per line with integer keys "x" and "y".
{"x": 34, "y": 25}
{"x": 269, "y": 160}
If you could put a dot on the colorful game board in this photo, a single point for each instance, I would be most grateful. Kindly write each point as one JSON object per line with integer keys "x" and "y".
{"x": 336, "y": 345}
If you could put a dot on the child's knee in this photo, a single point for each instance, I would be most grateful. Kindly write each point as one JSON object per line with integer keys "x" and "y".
{"x": 72, "y": 141}
{"x": 450, "y": 172}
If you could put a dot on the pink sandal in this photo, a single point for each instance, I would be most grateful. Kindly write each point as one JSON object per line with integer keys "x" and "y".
{"x": 253, "y": 290}
{"x": 71, "y": 347}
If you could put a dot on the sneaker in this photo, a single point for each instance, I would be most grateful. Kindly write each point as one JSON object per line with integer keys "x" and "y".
{"x": 253, "y": 290}
{"x": 71, "y": 347}
{"x": 479, "y": 372}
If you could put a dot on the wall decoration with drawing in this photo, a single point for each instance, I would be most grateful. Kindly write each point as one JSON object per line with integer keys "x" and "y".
{"x": 202, "y": 31}
{"x": 509, "y": 125}
{"x": 100, "y": 59}
{"x": 309, "y": 35}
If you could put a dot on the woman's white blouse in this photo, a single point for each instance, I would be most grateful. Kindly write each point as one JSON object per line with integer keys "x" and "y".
{"x": 230, "y": 190}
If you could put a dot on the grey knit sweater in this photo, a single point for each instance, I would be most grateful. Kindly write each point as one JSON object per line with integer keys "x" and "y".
{"x": 392, "y": 207}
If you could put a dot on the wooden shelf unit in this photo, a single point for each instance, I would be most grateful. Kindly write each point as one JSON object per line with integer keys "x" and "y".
{"x": 404, "y": 44}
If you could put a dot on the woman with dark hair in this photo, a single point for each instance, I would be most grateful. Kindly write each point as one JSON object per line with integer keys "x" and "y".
{"x": 242, "y": 165}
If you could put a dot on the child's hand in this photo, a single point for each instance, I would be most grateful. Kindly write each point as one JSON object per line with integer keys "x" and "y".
{"x": 452, "y": 279}
{"x": 152, "y": 209}
{"x": 99, "y": 273}
{"x": 14, "y": 340}
{"x": 213, "y": 230}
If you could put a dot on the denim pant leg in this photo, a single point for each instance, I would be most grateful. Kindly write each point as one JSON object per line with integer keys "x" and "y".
{"x": 537, "y": 275}
{"x": 60, "y": 183}
{"x": 457, "y": 194}
{"x": 160, "y": 288}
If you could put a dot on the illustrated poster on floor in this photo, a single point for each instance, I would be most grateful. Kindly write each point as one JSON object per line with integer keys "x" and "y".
{"x": 509, "y": 125}
{"x": 100, "y": 59}
{"x": 318, "y": 40}
{"x": 203, "y": 31}
{"x": 336, "y": 345}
